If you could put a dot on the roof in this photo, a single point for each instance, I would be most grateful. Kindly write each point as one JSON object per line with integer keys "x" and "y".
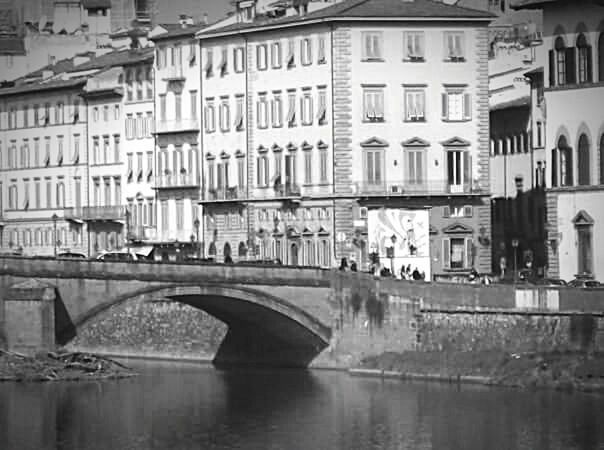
{"x": 61, "y": 66}
{"x": 42, "y": 86}
{"x": 175, "y": 30}
{"x": 91, "y": 4}
{"x": 116, "y": 58}
{"x": 363, "y": 9}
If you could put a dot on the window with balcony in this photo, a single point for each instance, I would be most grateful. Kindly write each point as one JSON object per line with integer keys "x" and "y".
{"x": 60, "y": 194}
{"x": 276, "y": 57}
{"x": 415, "y": 104}
{"x": 308, "y": 166}
{"x": 262, "y": 171}
{"x": 458, "y": 170}
{"x": 372, "y": 45}
{"x": 177, "y": 106}
{"x": 373, "y": 104}
{"x": 413, "y": 46}
{"x": 454, "y": 46}
{"x": 241, "y": 172}
{"x": 323, "y": 164}
{"x": 261, "y": 57}
{"x": 456, "y": 105}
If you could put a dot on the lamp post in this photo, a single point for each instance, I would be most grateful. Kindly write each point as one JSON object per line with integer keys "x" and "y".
{"x": 196, "y": 225}
{"x": 276, "y": 223}
{"x": 393, "y": 240}
{"x": 515, "y": 246}
{"x": 54, "y": 236}
{"x": 127, "y": 230}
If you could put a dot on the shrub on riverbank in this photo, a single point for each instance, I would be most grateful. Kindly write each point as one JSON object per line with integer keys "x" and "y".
{"x": 561, "y": 370}
{"x": 57, "y": 366}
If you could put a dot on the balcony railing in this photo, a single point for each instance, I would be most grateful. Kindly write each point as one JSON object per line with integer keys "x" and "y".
{"x": 117, "y": 212}
{"x": 406, "y": 188}
{"x": 176, "y": 181}
{"x": 173, "y": 73}
{"x": 176, "y": 126}
{"x": 226, "y": 194}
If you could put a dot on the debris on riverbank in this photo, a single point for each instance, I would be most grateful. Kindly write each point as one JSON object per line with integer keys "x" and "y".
{"x": 52, "y": 366}
{"x": 557, "y": 370}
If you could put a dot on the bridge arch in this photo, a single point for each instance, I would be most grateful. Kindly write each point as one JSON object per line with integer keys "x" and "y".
{"x": 263, "y": 329}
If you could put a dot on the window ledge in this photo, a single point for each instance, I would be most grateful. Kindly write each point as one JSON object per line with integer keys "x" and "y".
{"x": 373, "y": 60}
{"x": 415, "y": 60}
{"x": 374, "y": 121}
{"x": 456, "y": 120}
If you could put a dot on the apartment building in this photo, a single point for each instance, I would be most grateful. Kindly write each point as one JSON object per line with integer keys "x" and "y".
{"x": 43, "y": 164}
{"x": 348, "y": 132}
{"x": 120, "y": 206}
{"x": 573, "y": 73}
{"x": 177, "y": 179}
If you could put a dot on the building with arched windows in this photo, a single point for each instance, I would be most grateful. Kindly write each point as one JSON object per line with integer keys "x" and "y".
{"x": 573, "y": 52}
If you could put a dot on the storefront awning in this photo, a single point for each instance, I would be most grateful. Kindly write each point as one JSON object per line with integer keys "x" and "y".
{"x": 145, "y": 251}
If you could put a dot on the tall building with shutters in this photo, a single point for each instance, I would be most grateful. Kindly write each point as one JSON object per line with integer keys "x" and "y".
{"x": 332, "y": 131}
{"x": 573, "y": 77}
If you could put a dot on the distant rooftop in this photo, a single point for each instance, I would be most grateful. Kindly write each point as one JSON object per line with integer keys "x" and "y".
{"x": 116, "y": 58}
{"x": 363, "y": 9}
{"x": 174, "y": 30}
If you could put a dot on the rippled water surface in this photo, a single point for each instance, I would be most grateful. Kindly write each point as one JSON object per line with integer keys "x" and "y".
{"x": 189, "y": 406}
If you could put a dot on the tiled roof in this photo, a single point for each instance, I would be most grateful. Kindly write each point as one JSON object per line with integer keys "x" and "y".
{"x": 359, "y": 9}
{"x": 174, "y": 30}
{"x": 117, "y": 58}
{"x": 42, "y": 86}
{"x": 64, "y": 65}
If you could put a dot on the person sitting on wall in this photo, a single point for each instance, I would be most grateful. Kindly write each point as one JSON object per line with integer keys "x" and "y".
{"x": 344, "y": 265}
{"x": 473, "y": 276}
{"x": 403, "y": 273}
{"x": 353, "y": 266}
{"x": 228, "y": 259}
{"x": 416, "y": 275}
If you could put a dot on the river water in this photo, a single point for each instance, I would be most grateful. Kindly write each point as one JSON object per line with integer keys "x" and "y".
{"x": 191, "y": 406}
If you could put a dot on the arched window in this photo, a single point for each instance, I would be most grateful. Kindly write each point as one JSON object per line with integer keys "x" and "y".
{"x": 584, "y": 57}
{"x": 212, "y": 249}
{"x": 601, "y": 56}
{"x": 242, "y": 251}
{"x": 565, "y": 162}
{"x": 602, "y": 159}
{"x": 226, "y": 252}
{"x": 583, "y": 161}
{"x": 560, "y": 49}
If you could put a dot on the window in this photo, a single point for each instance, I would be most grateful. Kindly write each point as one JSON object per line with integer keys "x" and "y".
{"x": 456, "y": 105}
{"x": 59, "y": 113}
{"x": 149, "y": 166}
{"x": 209, "y": 61}
{"x": 457, "y": 253}
{"x": 223, "y": 65}
{"x": 47, "y": 151}
{"x": 323, "y": 164}
{"x": 211, "y": 185}
{"x": 129, "y": 86}
{"x": 162, "y": 107}
{"x": 140, "y": 126}
{"x": 116, "y": 112}
{"x": 60, "y": 194}
{"x": 192, "y": 54}
{"x": 415, "y": 159}
{"x": 13, "y": 200}
{"x": 139, "y": 164}
{"x": 262, "y": 112}
{"x": 583, "y": 161}
{"x": 261, "y": 57}
{"x": 37, "y": 199}
{"x": 415, "y": 101}
{"x": 291, "y": 109}
{"x": 458, "y": 170}
{"x": 291, "y": 49}
{"x": 48, "y": 193}
{"x": 584, "y": 57}
{"x": 454, "y": 44}
{"x": 193, "y": 104}
{"x": 277, "y": 110}
{"x": 241, "y": 172}
{"x": 562, "y": 166}
{"x": 149, "y": 83}
{"x": 238, "y": 59}
{"x": 239, "y": 113}
{"x": 276, "y": 55}
{"x": 180, "y": 214}
{"x": 306, "y": 51}
{"x": 372, "y": 45}
{"x": 321, "y": 58}
{"x": 76, "y": 149}
{"x": 222, "y": 175}
{"x": 210, "y": 119}
{"x": 413, "y": 46}
{"x": 306, "y": 108}
{"x": 36, "y": 152}
{"x": 322, "y": 109}
{"x": 308, "y": 166}
{"x": 130, "y": 169}
{"x": 165, "y": 219}
{"x": 106, "y": 113}
{"x": 60, "y": 150}
{"x": 177, "y": 106}
{"x": 262, "y": 171}
{"x": 116, "y": 148}
{"x": 95, "y": 114}
{"x": 25, "y": 116}
{"x": 539, "y": 132}
{"x": 564, "y": 67}
{"x": 374, "y": 167}
{"x": 373, "y": 105}
{"x": 225, "y": 115}
{"x": 76, "y": 111}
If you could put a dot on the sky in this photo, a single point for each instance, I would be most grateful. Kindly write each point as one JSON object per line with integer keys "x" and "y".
{"x": 170, "y": 9}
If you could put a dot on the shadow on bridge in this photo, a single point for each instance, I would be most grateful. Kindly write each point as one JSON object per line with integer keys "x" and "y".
{"x": 263, "y": 330}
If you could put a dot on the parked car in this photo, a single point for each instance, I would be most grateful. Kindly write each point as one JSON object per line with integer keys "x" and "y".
{"x": 584, "y": 283}
{"x": 550, "y": 282}
{"x": 117, "y": 256}
{"x": 71, "y": 255}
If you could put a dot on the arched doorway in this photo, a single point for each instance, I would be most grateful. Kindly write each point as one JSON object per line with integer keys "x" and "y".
{"x": 583, "y": 161}
{"x": 293, "y": 254}
{"x": 226, "y": 252}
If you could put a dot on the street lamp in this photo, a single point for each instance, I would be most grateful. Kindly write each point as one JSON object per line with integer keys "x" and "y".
{"x": 127, "y": 230}
{"x": 515, "y": 246}
{"x": 196, "y": 224}
{"x": 54, "y": 236}
{"x": 276, "y": 223}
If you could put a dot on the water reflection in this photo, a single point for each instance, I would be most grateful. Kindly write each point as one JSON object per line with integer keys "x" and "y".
{"x": 190, "y": 406}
